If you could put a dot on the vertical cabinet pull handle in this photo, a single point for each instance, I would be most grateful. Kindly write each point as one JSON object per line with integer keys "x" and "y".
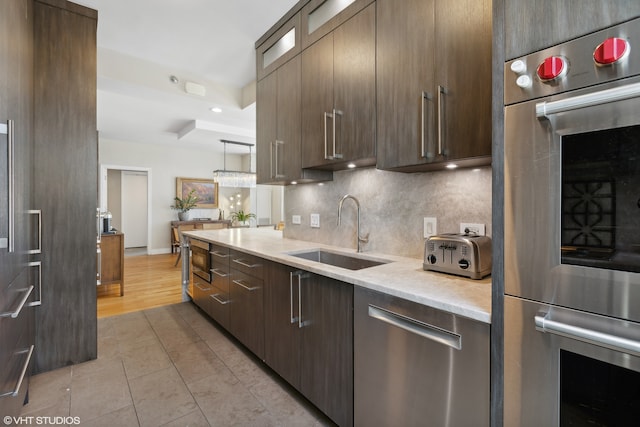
{"x": 275, "y": 173}
{"x": 15, "y": 392}
{"x": 16, "y": 312}
{"x": 11, "y": 205}
{"x": 441, "y": 91}
{"x": 300, "y": 322}
{"x": 335, "y": 114}
{"x": 332, "y": 115}
{"x": 326, "y": 144}
{"x": 292, "y": 317}
{"x": 300, "y": 275}
{"x": 424, "y": 98}
{"x": 39, "y": 300}
{"x": 99, "y": 268}
{"x": 38, "y": 212}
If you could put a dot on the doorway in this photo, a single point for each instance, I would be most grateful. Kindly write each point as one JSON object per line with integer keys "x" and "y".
{"x": 125, "y": 191}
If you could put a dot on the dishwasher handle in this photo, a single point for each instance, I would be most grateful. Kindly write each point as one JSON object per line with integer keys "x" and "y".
{"x": 417, "y": 327}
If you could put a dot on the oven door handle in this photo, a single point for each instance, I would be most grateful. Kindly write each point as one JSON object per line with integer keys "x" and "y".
{"x": 589, "y": 336}
{"x": 546, "y": 109}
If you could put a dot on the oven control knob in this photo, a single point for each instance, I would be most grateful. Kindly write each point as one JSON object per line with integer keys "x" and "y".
{"x": 552, "y": 68}
{"x": 523, "y": 81}
{"x": 610, "y": 51}
{"x": 518, "y": 66}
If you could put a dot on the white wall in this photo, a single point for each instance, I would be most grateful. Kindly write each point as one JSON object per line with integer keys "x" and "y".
{"x": 166, "y": 164}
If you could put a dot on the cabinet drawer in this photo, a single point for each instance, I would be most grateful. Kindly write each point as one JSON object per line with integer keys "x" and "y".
{"x": 201, "y": 291}
{"x": 219, "y": 254}
{"x": 246, "y": 263}
{"x": 220, "y": 278}
{"x": 218, "y": 306}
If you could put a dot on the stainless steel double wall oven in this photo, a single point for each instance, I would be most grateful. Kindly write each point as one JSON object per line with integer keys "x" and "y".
{"x": 572, "y": 232}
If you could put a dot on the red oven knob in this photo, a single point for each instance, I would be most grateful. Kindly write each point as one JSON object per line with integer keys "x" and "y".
{"x": 553, "y": 68}
{"x": 610, "y": 51}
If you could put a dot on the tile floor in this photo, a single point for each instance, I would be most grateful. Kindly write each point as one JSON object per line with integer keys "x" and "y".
{"x": 168, "y": 366}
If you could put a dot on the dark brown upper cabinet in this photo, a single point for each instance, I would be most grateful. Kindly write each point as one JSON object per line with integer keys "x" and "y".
{"x": 338, "y": 96}
{"x": 433, "y": 84}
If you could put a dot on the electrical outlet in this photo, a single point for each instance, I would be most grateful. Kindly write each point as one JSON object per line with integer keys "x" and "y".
{"x": 430, "y": 226}
{"x": 472, "y": 228}
{"x": 314, "y": 220}
{"x": 296, "y": 219}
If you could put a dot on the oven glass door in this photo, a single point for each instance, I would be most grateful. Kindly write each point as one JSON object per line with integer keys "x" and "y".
{"x": 600, "y": 199}
{"x": 569, "y": 368}
{"x": 200, "y": 262}
{"x": 572, "y": 200}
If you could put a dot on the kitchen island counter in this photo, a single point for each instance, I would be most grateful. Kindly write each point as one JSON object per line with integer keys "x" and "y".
{"x": 401, "y": 277}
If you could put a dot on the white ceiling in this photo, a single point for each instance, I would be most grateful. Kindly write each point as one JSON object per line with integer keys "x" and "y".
{"x": 141, "y": 43}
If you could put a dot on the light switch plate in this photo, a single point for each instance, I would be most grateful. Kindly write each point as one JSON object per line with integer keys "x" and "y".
{"x": 430, "y": 226}
{"x": 314, "y": 220}
{"x": 296, "y": 219}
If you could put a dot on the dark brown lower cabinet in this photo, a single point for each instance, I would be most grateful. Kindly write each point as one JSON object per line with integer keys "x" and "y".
{"x": 245, "y": 315}
{"x": 309, "y": 337}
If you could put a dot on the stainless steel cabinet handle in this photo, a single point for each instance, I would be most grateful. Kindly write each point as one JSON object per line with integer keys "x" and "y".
{"x": 38, "y": 212}
{"x": 546, "y": 109}
{"x": 197, "y": 284}
{"x": 218, "y": 300}
{"x": 39, "y": 265}
{"x": 291, "y": 274}
{"x": 16, "y": 312}
{"x": 301, "y": 275}
{"x": 11, "y": 174}
{"x": 241, "y": 262}
{"x": 219, "y": 254}
{"x": 99, "y": 266}
{"x": 251, "y": 289}
{"x": 98, "y": 225}
{"x": 326, "y": 145}
{"x": 332, "y": 115}
{"x": 441, "y": 91}
{"x": 589, "y": 336}
{"x": 425, "y": 97}
{"x": 275, "y": 159}
{"x": 417, "y": 327}
{"x": 219, "y": 273}
{"x": 16, "y": 391}
{"x": 335, "y": 113}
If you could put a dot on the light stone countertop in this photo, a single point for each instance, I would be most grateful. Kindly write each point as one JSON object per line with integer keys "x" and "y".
{"x": 402, "y": 277}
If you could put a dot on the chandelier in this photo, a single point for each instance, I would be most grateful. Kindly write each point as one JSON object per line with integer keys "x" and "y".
{"x": 229, "y": 178}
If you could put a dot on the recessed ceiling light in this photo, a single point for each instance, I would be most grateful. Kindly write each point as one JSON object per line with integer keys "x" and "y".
{"x": 451, "y": 166}
{"x": 351, "y": 165}
{"x": 216, "y": 109}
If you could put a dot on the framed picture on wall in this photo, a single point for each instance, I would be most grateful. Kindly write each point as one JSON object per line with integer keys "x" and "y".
{"x": 206, "y": 190}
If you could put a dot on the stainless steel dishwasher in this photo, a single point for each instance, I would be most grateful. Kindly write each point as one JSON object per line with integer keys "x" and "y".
{"x": 417, "y": 366}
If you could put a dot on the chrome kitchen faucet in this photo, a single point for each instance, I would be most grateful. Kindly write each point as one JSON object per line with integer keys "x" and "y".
{"x": 364, "y": 239}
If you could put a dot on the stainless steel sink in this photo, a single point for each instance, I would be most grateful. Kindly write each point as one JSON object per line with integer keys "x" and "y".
{"x": 350, "y": 262}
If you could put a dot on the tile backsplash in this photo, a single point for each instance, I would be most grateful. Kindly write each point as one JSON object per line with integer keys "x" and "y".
{"x": 392, "y": 207}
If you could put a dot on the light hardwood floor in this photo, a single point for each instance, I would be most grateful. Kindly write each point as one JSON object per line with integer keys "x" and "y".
{"x": 150, "y": 281}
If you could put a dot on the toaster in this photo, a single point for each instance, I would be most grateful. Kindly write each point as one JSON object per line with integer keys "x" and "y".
{"x": 466, "y": 255}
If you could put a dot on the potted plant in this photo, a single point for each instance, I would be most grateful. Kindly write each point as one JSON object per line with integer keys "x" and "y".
{"x": 242, "y": 217}
{"x": 184, "y": 205}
